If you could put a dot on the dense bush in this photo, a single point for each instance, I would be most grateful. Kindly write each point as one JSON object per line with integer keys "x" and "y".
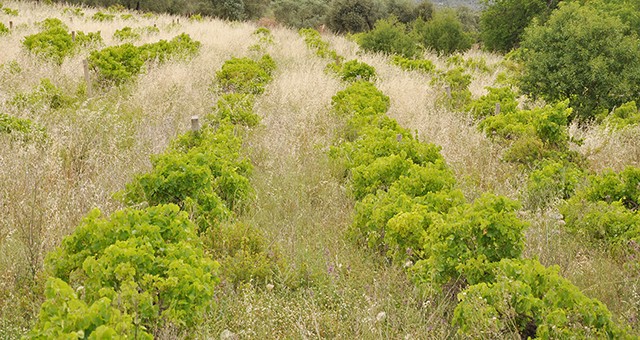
{"x": 314, "y": 41}
{"x": 126, "y": 33}
{"x": 64, "y": 316}
{"x": 584, "y": 54}
{"x": 352, "y": 16}
{"x": 100, "y": 16}
{"x": 485, "y": 106}
{"x": 3, "y": 29}
{"x": 522, "y": 298}
{"x": 488, "y": 230}
{"x": 119, "y": 64}
{"x": 551, "y": 181}
{"x": 202, "y": 173}
{"x": 443, "y": 34}
{"x": 391, "y": 37}
{"x": 54, "y": 42}
{"x": 456, "y": 82}
{"x": 625, "y": 115}
{"x": 300, "y": 13}
{"x": 502, "y": 22}
{"x": 355, "y": 70}
{"x": 359, "y": 97}
{"x": 407, "y": 64}
{"x": 244, "y": 75}
{"x": 532, "y": 134}
{"x": 148, "y": 263}
{"x": 237, "y": 108}
{"x": 19, "y": 129}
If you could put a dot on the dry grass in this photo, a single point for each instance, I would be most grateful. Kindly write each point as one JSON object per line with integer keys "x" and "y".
{"x": 301, "y": 207}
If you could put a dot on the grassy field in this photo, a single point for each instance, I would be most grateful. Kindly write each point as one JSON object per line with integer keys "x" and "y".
{"x": 93, "y": 148}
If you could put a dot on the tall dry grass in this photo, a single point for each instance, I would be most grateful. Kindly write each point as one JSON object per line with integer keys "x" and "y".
{"x": 93, "y": 150}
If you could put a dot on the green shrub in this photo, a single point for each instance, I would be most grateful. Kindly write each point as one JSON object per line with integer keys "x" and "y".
{"x": 444, "y": 33}
{"x": 89, "y": 40}
{"x": 3, "y": 29}
{"x": 237, "y": 108}
{"x": 54, "y": 43}
{"x": 488, "y": 229}
{"x": 126, "y": 16}
{"x": 532, "y": 134}
{"x": 126, "y": 33}
{"x": 64, "y": 316}
{"x": 117, "y": 64}
{"x": 551, "y": 181}
{"x": 314, "y": 41}
{"x": 45, "y": 96}
{"x": 457, "y": 83}
{"x": 390, "y": 37}
{"x": 355, "y": 70}
{"x": 524, "y": 299}
{"x": 75, "y": 11}
{"x": 486, "y": 105}
{"x": 358, "y": 97}
{"x": 148, "y": 263}
{"x": 423, "y": 65}
{"x": 20, "y": 129}
{"x": 610, "y": 224}
{"x": 582, "y": 44}
{"x": 243, "y": 75}
{"x": 244, "y": 254}
{"x": 394, "y": 222}
{"x": 11, "y": 12}
{"x": 625, "y": 115}
{"x": 352, "y": 15}
{"x": 202, "y": 173}
{"x": 300, "y": 13}
{"x": 181, "y": 46}
{"x": 100, "y": 16}
{"x": 623, "y": 187}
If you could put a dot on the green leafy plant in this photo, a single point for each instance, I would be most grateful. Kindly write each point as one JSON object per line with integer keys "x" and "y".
{"x": 202, "y": 173}
{"x": 525, "y": 299}
{"x": 443, "y": 33}
{"x": 486, "y": 105}
{"x": 391, "y": 37}
{"x": 148, "y": 263}
{"x": 423, "y": 65}
{"x": 65, "y": 316}
{"x": 487, "y": 229}
{"x": 100, "y": 16}
{"x": 119, "y": 64}
{"x": 355, "y": 70}
{"x": 126, "y": 33}
{"x": 456, "y": 83}
{"x": 358, "y": 97}
{"x": 314, "y": 41}
{"x": 11, "y": 12}
{"x": 243, "y": 75}
{"x": 551, "y": 181}
{"x": 237, "y": 108}
{"x": 54, "y": 42}
{"x": 3, "y": 29}
{"x": 581, "y": 44}
{"x": 625, "y": 115}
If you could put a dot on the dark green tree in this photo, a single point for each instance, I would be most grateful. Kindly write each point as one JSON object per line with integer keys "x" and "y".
{"x": 300, "y": 13}
{"x": 584, "y": 54}
{"x": 444, "y": 33}
{"x": 424, "y": 10}
{"x": 503, "y": 21}
{"x": 352, "y": 15}
{"x": 389, "y": 36}
{"x": 403, "y": 10}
